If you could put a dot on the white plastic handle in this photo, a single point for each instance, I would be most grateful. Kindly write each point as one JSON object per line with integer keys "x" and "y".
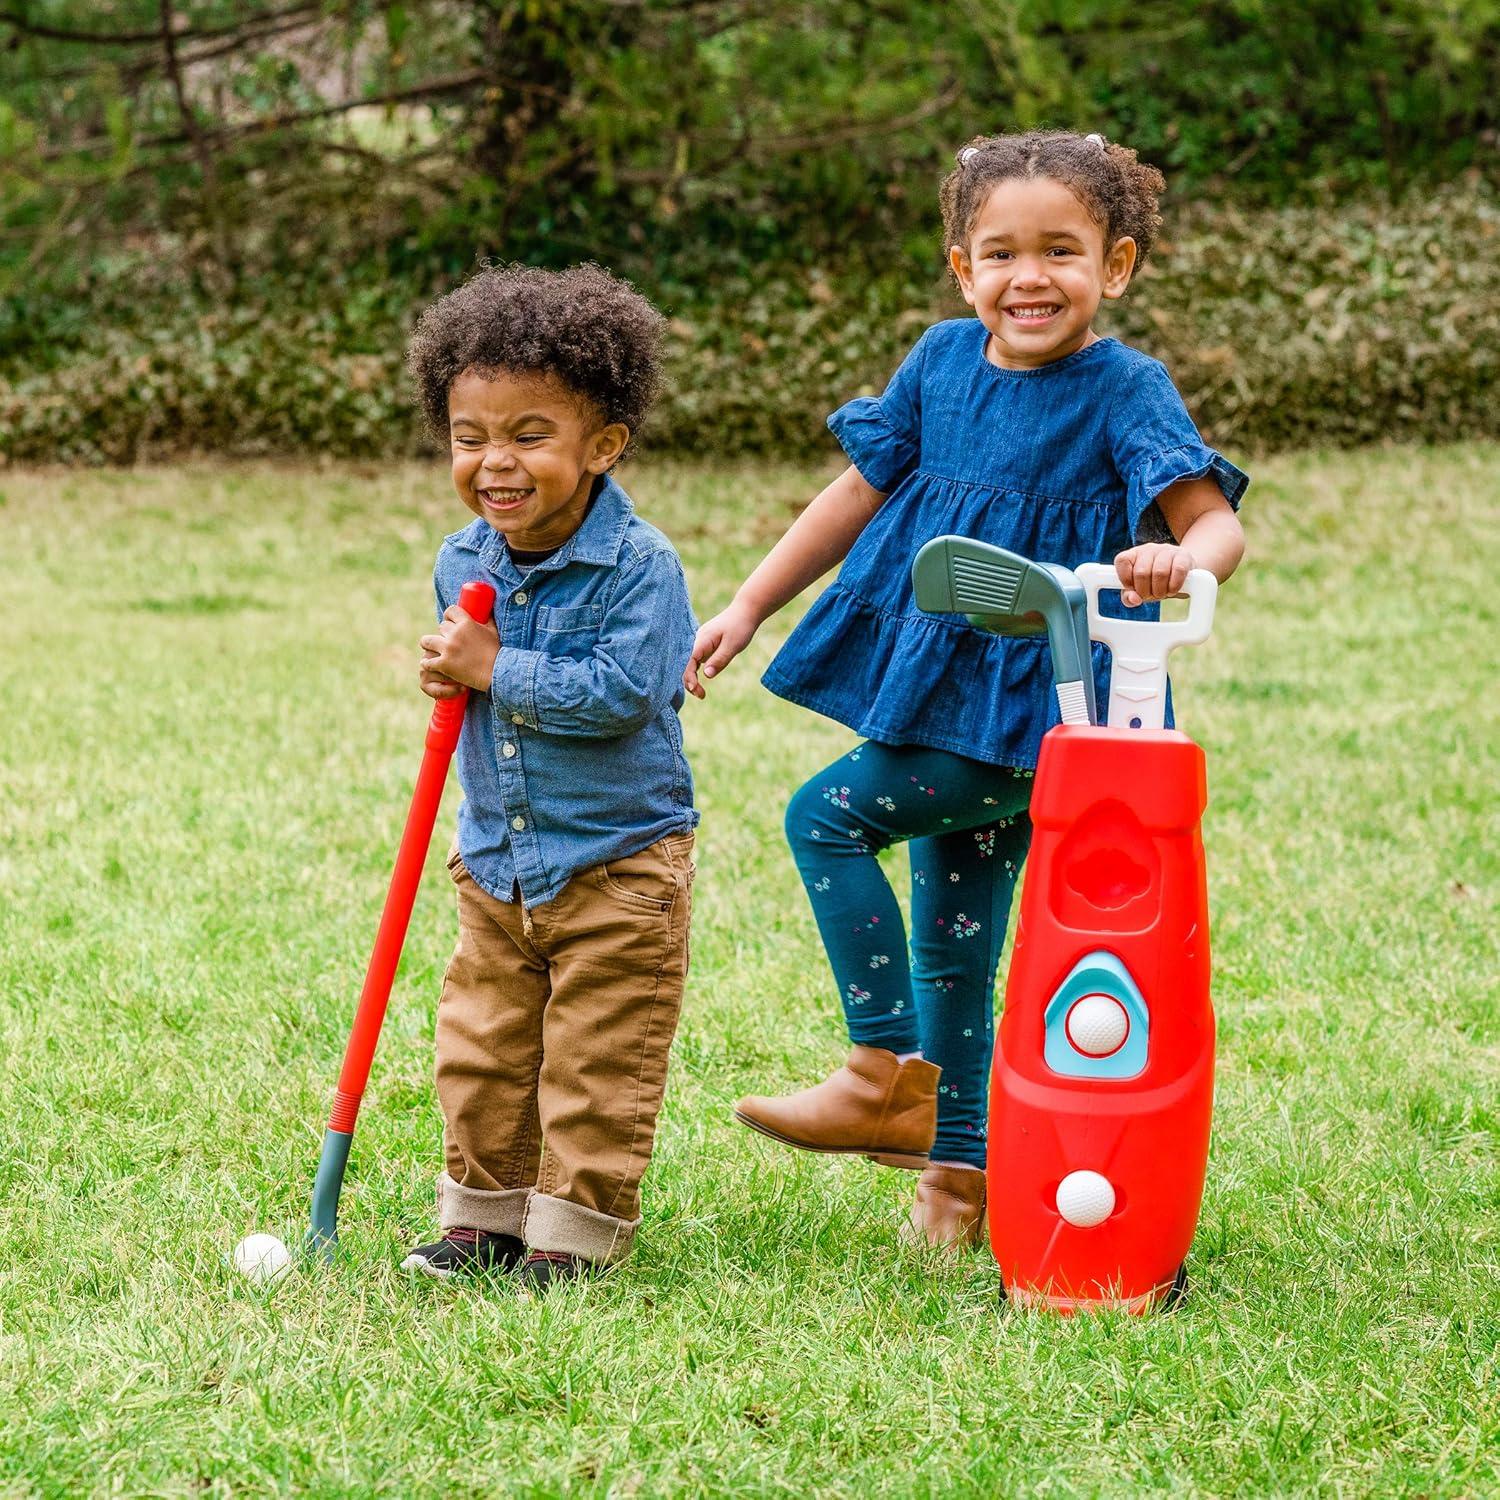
{"x": 1139, "y": 648}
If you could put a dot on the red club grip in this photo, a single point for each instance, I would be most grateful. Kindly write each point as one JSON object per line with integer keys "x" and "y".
{"x": 477, "y": 600}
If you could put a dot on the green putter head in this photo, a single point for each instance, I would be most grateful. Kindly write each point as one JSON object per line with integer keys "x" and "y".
{"x": 1008, "y": 594}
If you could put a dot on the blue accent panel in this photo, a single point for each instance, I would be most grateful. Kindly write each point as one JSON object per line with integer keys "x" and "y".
{"x": 324, "y": 1234}
{"x": 1099, "y": 973}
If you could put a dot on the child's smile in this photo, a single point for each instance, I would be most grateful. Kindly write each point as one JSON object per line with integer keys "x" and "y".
{"x": 502, "y": 500}
{"x": 1035, "y": 270}
{"x": 526, "y": 452}
{"x": 1033, "y": 312}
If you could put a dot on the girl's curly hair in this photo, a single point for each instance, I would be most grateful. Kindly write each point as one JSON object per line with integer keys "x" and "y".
{"x": 1119, "y": 191}
{"x": 589, "y": 330}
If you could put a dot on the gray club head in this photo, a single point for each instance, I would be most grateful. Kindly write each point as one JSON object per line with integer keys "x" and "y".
{"x": 1003, "y": 592}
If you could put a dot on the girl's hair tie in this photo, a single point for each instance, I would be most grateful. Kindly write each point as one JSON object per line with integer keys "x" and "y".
{"x": 967, "y": 155}
{"x": 1097, "y": 140}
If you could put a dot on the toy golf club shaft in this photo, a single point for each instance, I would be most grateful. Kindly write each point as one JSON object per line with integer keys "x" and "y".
{"x": 478, "y": 600}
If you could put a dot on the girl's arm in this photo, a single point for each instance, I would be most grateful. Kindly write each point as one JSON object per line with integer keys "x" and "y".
{"x": 1208, "y": 536}
{"x": 818, "y": 539}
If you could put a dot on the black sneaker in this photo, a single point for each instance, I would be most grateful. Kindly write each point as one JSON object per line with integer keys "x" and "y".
{"x": 466, "y": 1252}
{"x": 544, "y": 1268}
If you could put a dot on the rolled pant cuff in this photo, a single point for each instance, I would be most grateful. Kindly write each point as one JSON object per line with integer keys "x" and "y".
{"x": 495, "y": 1211}
{"x": 567, "y": 1228}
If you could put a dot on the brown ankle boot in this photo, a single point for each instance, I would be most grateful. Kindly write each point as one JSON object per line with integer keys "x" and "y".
{"x": 873, "y": 1106}
{"x": 949, "y": 1210}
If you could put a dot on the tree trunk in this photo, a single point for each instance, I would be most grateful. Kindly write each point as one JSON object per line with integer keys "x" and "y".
{"x": 533, "y": 53}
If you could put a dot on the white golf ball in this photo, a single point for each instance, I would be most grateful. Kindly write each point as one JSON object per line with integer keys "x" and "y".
{"x": 262, "y": 1258}
{"x": 1097, "y": 1025}
{"x": 1085, "y": 1199}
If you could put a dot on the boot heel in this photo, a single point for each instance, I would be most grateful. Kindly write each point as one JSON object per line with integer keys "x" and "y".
{"x": 909, "y": 1160}
{"x": 875, "y": 1106}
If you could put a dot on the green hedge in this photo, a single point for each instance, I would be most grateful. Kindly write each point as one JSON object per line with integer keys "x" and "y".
{"x": 1282, "y": 328}
{"x": 1331, "y": 327}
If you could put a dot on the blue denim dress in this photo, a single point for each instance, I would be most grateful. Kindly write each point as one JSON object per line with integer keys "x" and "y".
{"x": 1062, "y": 464}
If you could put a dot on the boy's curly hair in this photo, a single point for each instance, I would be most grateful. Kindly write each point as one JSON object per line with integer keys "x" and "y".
{"x": 589, "y": 330}
{"x": 1119, "y": 191}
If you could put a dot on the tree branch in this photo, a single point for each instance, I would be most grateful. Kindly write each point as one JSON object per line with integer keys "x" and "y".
{"x": 261, "y": 30}
{"x": 213, "y": 220}
{"x": 435, "y": 88}
{"x": 136, "y": 68}
{"x": 143, "y": 38}
{"x": 854, "y": 131}
{"x": 403, "y": 167}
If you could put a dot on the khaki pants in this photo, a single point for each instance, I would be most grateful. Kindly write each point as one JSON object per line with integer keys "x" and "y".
{"x": 552, "y": 1036}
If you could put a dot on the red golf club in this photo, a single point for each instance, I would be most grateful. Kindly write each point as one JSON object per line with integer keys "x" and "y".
{"x": 477, "y": 600}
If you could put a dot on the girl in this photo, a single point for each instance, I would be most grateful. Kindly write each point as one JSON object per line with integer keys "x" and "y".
{"x": 1021, "y": 427}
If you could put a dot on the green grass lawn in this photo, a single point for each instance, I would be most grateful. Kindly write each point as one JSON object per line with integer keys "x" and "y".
{"x": 208, "y": 728}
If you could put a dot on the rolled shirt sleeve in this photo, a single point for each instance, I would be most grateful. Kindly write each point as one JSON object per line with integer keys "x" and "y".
{"x": 631, "y": 673}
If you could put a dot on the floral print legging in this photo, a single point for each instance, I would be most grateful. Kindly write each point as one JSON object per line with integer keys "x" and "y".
{"x": 969, "y": 831}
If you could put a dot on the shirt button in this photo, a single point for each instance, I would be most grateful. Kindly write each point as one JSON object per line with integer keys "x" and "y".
{"x": 521, "y": 597}
{"x": 507, "y": 749}
{"x": 518, "y": 824}
{"x": 517, "y": 719}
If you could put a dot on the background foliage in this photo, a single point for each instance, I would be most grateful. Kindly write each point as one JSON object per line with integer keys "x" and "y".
{"x": 217, "y": 221}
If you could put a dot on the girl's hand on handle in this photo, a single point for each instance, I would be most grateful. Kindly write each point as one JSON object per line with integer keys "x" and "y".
{"x": 1209, "y": 536}
{"x": 717, "y": 644}
{"x": 1154, "y": 571}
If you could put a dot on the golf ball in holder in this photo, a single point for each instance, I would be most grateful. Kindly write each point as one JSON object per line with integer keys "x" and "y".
{"x": 1085, "y": 1199}
{"x": 1097, "y": 1025}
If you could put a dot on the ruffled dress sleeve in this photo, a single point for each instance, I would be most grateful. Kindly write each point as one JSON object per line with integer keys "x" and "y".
{"x": 1155, "y": 444}
{"x": 883, "y": 434}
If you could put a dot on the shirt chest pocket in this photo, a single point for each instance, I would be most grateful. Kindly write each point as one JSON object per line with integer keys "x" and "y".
{"x": 572, "y": 631}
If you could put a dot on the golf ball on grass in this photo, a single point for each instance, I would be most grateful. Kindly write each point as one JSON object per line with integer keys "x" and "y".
{"x": 262, "y": 1259}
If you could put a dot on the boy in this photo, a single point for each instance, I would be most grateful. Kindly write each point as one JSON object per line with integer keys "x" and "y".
{"x": 574, "y": 857}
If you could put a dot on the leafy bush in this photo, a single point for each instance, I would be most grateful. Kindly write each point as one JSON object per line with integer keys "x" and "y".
{"x": 1281, "y": 328}
{"x": 1284, "y": 327}
{"x": 1308, "y": 326}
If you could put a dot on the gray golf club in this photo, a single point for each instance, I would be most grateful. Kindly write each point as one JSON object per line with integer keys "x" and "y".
{"x": 1005, "y": 593}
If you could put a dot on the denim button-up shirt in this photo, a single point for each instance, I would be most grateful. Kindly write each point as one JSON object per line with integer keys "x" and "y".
{"x": 574, "y": 756}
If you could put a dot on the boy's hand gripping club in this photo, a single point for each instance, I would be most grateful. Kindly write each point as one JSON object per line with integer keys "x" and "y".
{"x": 477, "y": 600}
